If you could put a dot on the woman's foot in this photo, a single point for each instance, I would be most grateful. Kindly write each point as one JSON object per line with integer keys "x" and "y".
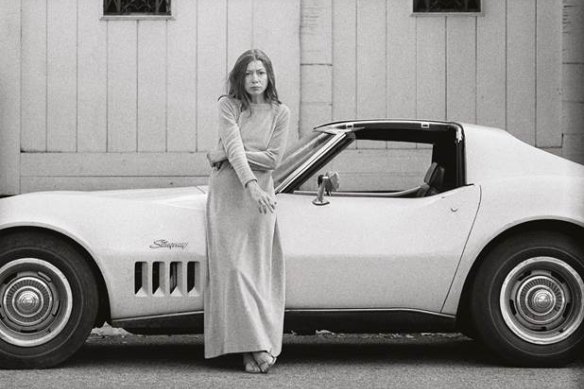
{"x": 264, "y": 360}
{"x": 250, "y": 364}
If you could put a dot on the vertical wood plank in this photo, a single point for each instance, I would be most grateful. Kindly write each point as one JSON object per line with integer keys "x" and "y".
{"x": 572, "y": 117}
{"x": 276, "y": 31}
{"x": 316, "y": 31}
{"x": 10, "y": 46}
{"x": 316, "y": 84}
{"x": 491, "y": 65}
{"x": 62, "y": 75}
{"x": 574, "y": 147}
{"x": 211, "y": 68}
{"x": 239, "y": 29}
{"x": 401, "y": 60}
{"x": 549, "y": 73}
{"x": 401, "y": 64}
{"x": 152, "y": 85}
{"x": 371, "y": 64}
{"x": 316, "y": 106}
{"x": 344, "y": 60}
{"x": 316, "y": 64}
{"x": 461, "y": 68}
{"x": 521, "y": 69}
{"x": 314, "y": 114}
{"x": 182, "y": 77}
{"x": 34, "y": 76}
{"x": 122, "y": 85}
{"x": 572, "y": 31}
{"x": 91, "y": 78}
{"x": 431, "y": 68}
{"x": 573, "y": 82}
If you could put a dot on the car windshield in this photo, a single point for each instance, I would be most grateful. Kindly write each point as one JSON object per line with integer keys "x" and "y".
{"x": 298, "y": 153}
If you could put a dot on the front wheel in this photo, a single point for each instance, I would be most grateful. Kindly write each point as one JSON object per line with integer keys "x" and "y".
{"x": 528, "y": 299}
{"x": 48, "y": 300}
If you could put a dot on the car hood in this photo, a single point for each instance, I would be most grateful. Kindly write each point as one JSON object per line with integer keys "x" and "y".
{"x": 149, "y": 194}
{"x": 187, "y": 197}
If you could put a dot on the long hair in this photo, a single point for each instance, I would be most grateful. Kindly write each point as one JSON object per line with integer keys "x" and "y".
{"x": 236, "y": 82}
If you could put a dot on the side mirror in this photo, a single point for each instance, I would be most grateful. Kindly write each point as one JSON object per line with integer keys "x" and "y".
{"x": 327, "y": 183}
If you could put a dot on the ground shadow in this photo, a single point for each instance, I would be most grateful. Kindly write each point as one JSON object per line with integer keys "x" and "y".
{"x": 178, "y": 350}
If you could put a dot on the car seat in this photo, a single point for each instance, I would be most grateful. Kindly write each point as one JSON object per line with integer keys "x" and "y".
{"x": 433, "y": 181}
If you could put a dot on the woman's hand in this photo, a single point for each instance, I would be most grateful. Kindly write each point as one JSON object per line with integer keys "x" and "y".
{"x": 216, "y": 158}
{"x": 261, "y": 197}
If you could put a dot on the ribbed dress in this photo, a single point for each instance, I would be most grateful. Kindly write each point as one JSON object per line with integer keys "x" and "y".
{"x": 244, "y": 297}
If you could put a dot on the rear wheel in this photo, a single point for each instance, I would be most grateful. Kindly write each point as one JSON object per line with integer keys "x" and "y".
{"x": 528, "y": 299}
{"x": 48, "y": 300}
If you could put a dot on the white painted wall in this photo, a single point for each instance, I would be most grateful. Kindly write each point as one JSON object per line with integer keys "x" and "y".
{"x": 92, "y": 103}
{"x": 130, "y": 102}
{"x": 375, "y": 59}
{"x": 573, "y": 80}
{"x": 9, "y": 99}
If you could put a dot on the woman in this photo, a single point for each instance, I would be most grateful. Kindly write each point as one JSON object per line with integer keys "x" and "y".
{"x": 244, "y": 299}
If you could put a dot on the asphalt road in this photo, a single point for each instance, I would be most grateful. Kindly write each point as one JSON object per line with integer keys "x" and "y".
{"x": 320, "y": 361}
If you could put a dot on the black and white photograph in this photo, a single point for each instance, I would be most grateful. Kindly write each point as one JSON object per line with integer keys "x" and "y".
{"x": 291, "y": 193}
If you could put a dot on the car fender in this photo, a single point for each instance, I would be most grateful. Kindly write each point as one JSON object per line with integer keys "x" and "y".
{"x": 117, "y": 232}
{"x": 510, "y": 202}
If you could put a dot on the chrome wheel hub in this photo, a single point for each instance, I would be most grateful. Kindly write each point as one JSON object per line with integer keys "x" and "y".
{"x": 541, "y": 300}
{"x": 35, "y": 302}
{"x": 27, "y": 301}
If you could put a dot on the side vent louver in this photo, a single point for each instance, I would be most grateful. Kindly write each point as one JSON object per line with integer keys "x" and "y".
{"x": 140, "y": 278}
{"x": 174, "y": 266}
{"x": 137, "y": 277}
{"x": 156, "y": 276}
{"x": 191, "y": 276}
{"x": 161, "y": 279}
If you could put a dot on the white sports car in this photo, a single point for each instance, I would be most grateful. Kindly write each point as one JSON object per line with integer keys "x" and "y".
{"x": 490, "y": 241}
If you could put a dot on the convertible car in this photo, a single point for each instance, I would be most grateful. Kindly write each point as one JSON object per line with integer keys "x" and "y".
{"x": 436, "y": 226}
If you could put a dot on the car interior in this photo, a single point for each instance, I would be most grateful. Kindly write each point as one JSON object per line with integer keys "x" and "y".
{"x": 444, "y": 169}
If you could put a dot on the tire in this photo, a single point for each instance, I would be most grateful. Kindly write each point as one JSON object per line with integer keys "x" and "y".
{"x": 527, "y": 302}
{"x": 48, "y": 300}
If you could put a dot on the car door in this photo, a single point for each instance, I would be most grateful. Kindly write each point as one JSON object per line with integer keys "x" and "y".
{"x": 374, "y": 252}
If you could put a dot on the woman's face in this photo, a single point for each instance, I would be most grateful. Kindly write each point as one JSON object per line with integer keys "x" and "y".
{"x": 256, "y": 81}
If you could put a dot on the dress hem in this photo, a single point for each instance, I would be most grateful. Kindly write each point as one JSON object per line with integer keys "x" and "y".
{"x": 240, "y": 349}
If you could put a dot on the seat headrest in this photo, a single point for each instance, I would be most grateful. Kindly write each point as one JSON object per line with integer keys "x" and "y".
{"x": 435, "y": 176}
{"x": 430, "y": 172}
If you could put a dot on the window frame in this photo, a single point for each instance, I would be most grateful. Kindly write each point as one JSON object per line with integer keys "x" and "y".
{"x": 137, "y": 15}
{"x": 448, "y": 13}
{"x": 438, "y": 134}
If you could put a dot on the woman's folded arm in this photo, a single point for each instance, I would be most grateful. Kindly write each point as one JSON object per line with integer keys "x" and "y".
{"x": 263, "y": 159}
{"x": 231, "y": 140}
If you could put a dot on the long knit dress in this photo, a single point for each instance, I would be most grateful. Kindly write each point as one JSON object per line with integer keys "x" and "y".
{"x": 244, "y": 298}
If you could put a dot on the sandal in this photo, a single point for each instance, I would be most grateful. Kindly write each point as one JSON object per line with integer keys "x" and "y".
{"x": 263, "y": 363}
{"x": 250, "y": 364}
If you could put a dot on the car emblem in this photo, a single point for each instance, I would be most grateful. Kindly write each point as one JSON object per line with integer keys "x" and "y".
{"x": 163, "y": 243}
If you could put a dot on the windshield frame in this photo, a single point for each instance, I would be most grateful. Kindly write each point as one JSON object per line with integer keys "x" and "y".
{"x": 291, "y": 180}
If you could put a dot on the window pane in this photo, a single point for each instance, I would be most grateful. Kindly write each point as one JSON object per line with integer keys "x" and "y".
{"x": 447, "y": 5}
{"x": 376, "y": 170}
{"x": 127, "y": 7}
